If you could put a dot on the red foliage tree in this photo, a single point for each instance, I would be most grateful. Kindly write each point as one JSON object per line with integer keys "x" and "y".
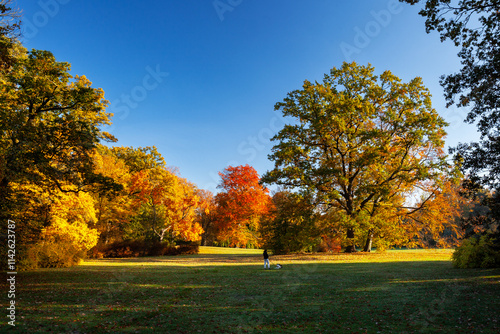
{"x": 240, "y": 205}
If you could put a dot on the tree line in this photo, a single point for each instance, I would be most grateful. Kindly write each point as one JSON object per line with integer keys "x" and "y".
{"x": 360, "y": 164}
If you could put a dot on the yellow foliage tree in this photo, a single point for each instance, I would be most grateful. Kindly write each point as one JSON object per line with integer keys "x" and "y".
{"x": 113, "y": 208}
{"x": 169, "y": 204}
{"x": 71, "y": 215}
{"x": 67, "y": 237}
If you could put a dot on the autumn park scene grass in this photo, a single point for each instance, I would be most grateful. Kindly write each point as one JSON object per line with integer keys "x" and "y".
{"x": 226, "y": 290}
{"x": 352, "y": 200}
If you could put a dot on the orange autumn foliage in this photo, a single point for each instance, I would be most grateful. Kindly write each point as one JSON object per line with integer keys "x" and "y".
{"x": 240, "y": 205}
{"x": 437, "y": 220}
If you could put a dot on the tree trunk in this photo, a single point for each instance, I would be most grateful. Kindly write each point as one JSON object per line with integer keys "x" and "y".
{"x": 206, "y": 225}
{"x": 4, "y": 195}
{"x": 369, "y": 241}
{"x": 350, "y": 236}
{"x": 106, "y": 235}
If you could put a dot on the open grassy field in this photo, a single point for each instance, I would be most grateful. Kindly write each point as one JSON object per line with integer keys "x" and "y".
{"x": 228, "y": 291}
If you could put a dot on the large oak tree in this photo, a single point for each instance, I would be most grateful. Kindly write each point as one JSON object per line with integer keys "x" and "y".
{"x": 358, "y": 142}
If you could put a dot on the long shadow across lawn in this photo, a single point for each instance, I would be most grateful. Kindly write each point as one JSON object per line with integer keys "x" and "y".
{"x": 211, "y": 294}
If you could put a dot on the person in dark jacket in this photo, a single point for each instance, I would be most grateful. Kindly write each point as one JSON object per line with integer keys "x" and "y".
{"x": 266, "y": 260}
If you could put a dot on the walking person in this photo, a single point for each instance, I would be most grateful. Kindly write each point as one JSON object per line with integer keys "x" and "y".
{"x": 266, "y": 260}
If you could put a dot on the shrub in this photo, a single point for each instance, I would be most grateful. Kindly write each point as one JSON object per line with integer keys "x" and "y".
{"x": 52, "y": 255}
{"x": 189, "y": 249}
{"x": 329, "y": 244}
{"x": 136, "y": 248}
{"x": 480, "y": 251}
{"x": 127, "y": 248}
{"x": 62, "y": 244}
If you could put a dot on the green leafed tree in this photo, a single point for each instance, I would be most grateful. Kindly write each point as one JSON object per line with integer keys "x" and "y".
{"x": 358, "y": 142}
{"x": 292, "y": 226}
{"x": 139, "y": 159}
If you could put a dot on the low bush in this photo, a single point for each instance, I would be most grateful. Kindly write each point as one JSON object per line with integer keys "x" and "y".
{"x": 479, "y": 251}
{"x": 136, "y": 248}
{"x": 329, "y": 244}
{"x": 189, "y": 249}
{"x": 52, "y": 255}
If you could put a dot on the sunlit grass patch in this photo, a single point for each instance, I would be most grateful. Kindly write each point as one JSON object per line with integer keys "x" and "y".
{"x": 228, "y": 291}
{"x": 229, "y": 251}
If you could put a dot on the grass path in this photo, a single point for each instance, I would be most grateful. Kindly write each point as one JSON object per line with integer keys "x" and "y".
{"x": 228, "y": 291}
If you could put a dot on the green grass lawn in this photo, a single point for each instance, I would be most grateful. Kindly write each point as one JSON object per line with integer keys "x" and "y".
{"x": 224, "y": 290}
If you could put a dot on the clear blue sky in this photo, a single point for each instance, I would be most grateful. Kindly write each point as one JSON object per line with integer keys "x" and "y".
{"x": 198, "y": 79}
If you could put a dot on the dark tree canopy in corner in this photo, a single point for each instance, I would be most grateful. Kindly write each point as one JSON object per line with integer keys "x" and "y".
{"x": 474, "y": 26}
